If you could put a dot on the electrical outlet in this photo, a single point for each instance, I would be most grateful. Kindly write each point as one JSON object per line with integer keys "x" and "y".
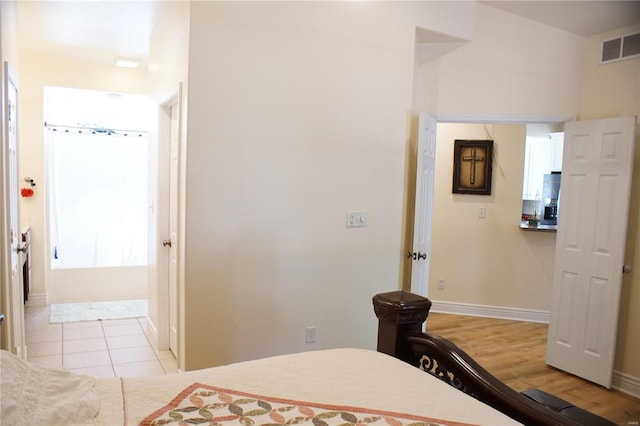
{"x": 440, "y": 283}
{"x": 310, "y": 334}
{"x": 356, "y": 219}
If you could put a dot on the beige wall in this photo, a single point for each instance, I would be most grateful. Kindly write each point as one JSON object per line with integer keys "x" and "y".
{"x": 292, "y": 122}
{"x": 614, "y": 90}
{"x": 512, "y": 66}
{"x": 8, "y": 26}
{"x": 487, "y": 261}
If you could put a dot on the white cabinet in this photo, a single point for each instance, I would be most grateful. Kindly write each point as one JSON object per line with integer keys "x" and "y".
{"x": 557, "y": 143}
{"x": 542, "y": 156}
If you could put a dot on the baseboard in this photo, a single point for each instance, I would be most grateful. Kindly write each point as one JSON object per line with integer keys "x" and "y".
{"x": 626, "y": 383}
{"x": 151, "y": 332}
{"x": 500, "y": 312}
{"x": 38, "y": 299}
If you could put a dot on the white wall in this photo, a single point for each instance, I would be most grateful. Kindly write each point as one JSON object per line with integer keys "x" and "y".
{"x": 97, "y": 284}
{"x": 297, "y": 113}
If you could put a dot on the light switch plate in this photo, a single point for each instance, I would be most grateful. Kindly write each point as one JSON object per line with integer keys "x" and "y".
{"x": 356, "y": 219}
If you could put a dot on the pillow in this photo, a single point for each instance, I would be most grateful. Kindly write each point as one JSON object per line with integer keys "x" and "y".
{"x": 36, "y": 395}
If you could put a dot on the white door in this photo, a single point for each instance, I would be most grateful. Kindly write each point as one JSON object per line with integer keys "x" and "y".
{"x": 173, "y": 231}
{"x": 17, "y": 339}
{"x": 165, "y": 220}
{"x": 592, "y": 226}
{"x": 423, "y": 212}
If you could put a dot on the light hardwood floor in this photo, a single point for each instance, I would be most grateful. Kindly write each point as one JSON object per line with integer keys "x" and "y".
{"x": 514, "y": 352}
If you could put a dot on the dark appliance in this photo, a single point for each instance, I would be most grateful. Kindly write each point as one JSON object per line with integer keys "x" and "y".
{"x": 550, "y": 199}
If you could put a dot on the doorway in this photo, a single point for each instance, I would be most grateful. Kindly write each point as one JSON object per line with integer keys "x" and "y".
{"x": 474, "y": 214}
{"x": 97, "y": 168}
{"x": 483, "y": 225}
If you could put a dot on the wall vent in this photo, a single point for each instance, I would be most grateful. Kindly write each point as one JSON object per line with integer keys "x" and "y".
{"x": 617, "y": 49}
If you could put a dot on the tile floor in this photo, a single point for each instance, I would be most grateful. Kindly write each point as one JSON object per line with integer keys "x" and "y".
{"x": 107, "y": 348}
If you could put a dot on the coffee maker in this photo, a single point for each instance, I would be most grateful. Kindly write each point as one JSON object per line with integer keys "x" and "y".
{"x": 550, "y": 199}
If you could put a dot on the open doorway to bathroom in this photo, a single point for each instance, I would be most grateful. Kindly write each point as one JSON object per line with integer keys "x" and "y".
{"x": 96, "y": 153}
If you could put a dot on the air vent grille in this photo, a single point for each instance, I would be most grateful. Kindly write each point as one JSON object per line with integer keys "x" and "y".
{"x": 617, "y": 49}
{"x": 631, "y": 46}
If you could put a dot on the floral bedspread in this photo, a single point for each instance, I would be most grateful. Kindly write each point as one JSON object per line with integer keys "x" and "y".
{"x": 205, "y": 404}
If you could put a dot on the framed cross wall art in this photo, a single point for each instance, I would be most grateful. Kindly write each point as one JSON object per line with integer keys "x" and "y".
{"x": 472, "y": 166}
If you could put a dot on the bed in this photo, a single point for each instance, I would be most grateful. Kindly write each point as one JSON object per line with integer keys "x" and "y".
{"x": 323, "y": 388}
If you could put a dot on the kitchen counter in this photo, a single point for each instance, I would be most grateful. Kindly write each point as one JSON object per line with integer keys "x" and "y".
{"x": 524, "y": 225}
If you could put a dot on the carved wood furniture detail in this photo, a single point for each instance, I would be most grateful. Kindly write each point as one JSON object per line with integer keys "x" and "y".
{"x": 400, "y": 317}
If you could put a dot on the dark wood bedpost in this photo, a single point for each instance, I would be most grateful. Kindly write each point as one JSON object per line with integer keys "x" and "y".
{"x": 398, "y": 312}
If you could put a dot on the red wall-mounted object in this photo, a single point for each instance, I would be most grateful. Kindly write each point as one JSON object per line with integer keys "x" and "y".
{"x": 26, "y": 192}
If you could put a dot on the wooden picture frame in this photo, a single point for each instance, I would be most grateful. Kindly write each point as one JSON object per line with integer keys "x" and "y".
{"x": 472, "y": 166}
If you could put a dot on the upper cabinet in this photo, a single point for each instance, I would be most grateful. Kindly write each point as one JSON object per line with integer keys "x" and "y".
{"x": 557, "y": 143}
{"x": 543, "y": 155}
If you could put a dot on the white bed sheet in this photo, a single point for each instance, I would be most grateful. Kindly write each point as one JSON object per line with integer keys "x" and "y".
{"x": 341, "y": 377}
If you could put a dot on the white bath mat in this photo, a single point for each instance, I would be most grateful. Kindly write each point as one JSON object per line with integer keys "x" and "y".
{"x": 93, "y": 311}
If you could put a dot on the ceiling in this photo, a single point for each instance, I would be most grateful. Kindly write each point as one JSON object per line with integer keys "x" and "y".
{"x": 103, "y": 30}
{"x": 585, "y": 18}
{"x": 93, "y": 30}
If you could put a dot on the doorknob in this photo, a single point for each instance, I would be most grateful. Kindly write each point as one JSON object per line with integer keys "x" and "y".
{"x": 166, "y": 243}
{"x": 416, "y": 256}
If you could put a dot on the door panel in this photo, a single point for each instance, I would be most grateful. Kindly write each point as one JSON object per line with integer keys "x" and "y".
{"x": 16, "y": 315}
{"x": 421, "y": 256}
{"x": 173, "y": 232}
{"x": 592, "y": 224}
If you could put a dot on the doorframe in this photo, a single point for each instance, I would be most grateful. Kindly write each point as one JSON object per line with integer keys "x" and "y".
{"x": 5, "y": 273}
{"x": 503, "y": 118}
{"x": 166, "y": 103}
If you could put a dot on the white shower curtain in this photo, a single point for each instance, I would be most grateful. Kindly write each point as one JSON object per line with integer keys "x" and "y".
{"x": 98, "y": 198}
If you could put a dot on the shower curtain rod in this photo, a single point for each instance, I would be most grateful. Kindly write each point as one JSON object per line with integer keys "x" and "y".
{"x": 95, "y": 130}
